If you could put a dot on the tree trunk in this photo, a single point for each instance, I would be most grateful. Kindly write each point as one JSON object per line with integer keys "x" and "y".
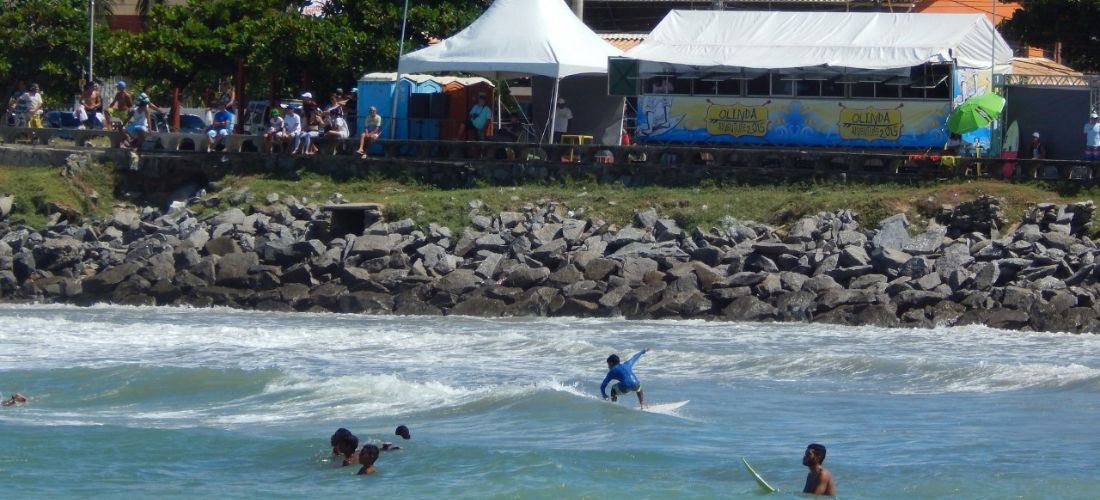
{"x": 174, "y": 118}
{"x": 241, "y": 101}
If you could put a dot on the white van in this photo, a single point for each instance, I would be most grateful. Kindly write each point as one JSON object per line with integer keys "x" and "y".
{"x": 254, "y": 121}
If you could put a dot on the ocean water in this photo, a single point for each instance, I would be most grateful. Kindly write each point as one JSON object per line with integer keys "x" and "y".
{"x": 159, "y": 402}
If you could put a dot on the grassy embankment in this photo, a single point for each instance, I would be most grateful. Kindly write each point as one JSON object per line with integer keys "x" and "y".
{"x": 90, "y": 192}
{"x": 35, "y": 188}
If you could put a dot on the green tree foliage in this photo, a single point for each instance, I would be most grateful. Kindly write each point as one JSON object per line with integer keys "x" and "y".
{"x": 44, "y": 42}
{"x": 1074, "y": 23}
{"x": 173, "y": 49}
{"x": 380, "y": 23}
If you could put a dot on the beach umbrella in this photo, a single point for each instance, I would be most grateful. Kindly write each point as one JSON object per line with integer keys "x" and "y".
{"x": 974, "y": 113}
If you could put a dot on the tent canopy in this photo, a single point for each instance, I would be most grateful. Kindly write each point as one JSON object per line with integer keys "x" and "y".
{"x": 517, "y": 38}
{"x": 860, "y": 40}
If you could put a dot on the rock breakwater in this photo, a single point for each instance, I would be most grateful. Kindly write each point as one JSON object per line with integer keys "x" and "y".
{"x": 284, "y": 255}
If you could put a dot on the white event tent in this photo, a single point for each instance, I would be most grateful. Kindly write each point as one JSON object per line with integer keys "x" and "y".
{"x": 858, "y": 40}
{"x": 516, "y": 38}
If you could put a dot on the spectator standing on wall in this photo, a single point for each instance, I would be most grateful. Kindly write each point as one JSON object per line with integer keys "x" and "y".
{"x": 476, "y": 119}
{"x": 120, "y": 105}
{"x": 1092, "y": 138}
{"x": 1038, "y": 149}
{"x": 92, "y": 103}
{"x": 32, "y": 106}
{"x": 561, "y": 121}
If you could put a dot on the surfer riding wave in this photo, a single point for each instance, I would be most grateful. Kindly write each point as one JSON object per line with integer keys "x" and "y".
{"x": 623, "y": 374}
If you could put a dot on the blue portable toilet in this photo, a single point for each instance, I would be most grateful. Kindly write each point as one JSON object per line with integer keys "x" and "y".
{"x": 423, "y": 124}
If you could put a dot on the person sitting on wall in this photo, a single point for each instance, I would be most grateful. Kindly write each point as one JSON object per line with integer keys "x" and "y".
{"x": 511, "y": 131}
{"x": 477, "y": 119}
{"x": 275, "y": 128}
{"x": 220, "y": 128}
{"x": 372, "y": 129}
{"x": 954, "y": 145}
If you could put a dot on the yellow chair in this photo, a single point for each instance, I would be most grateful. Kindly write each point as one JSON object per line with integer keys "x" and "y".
{"x": 574, "y": 140}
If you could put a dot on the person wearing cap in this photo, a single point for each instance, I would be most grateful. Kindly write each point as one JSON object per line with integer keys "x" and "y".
{"x": 30, "y": 103}
{"x": 562, "y": 115}
{"x": 137, "y": 126}
{"x": 476, "y": 119}
{"x": 120, "y": 105}
{"x": 372, "y": 129}
{"x": 274, "y": 130}
{"x": 1038, "y": 149}
{"x": 92, "y": 103}
{"x": 819, "y": 481}
{"x": 1092, "y": 138}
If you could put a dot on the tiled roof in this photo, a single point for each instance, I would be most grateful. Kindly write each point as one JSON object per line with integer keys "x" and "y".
{"x": 1040, "y": 66}
{"x": 623, "y": 41}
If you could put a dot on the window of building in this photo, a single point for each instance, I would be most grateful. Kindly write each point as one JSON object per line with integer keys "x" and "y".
{"x": 759, "y": 86}
{"x": 782, "y": 86}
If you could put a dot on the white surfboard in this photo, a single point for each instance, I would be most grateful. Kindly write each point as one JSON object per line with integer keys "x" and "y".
{"x": 767, "y": 488}
{"x": 1012, "y": 138}
{"x": 665, "y": 407}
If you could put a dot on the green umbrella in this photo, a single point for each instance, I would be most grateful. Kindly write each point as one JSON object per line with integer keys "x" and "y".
{"x": 974, "y": 113}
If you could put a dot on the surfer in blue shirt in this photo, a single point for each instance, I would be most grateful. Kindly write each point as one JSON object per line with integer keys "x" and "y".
{"x": 623, "y": 373}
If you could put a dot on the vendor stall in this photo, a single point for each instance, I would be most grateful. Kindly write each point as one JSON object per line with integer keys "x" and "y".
{"x": 808, "y": 78}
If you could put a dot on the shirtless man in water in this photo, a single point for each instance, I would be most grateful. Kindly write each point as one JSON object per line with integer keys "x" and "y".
{"x": 819, "y": 481}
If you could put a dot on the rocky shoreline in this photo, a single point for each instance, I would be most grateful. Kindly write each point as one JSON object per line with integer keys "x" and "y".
{"x": 285, "y": 255}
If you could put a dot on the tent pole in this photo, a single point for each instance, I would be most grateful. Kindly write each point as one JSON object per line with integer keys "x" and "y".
{"x": 554, "y": 110}
{"x": 622, "y": 116}
{"x": 397, "y": 77}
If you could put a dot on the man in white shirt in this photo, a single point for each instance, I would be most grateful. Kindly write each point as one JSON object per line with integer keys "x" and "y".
{"x": 31, "y": 104}
{"x": 562, "y": 115}
{"x": 1092, "y": 138}
{"x": 292, "y": 125}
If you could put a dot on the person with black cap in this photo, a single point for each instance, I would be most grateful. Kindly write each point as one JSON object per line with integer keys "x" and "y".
{"x": 623, "y": 374}
{"x": 819, "y": 481}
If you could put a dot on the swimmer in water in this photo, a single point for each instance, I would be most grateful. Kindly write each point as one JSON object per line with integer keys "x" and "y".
{"x": 623, "y": 374}
{"x": 16, "y": 399}
{"x": 367, "y": 456}
{"x": 819, "y": 481}
{"x": 344, "y": 443}
{"x": 400, "y": 431}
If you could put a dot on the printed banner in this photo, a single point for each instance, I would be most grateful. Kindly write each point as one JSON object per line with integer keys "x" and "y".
{"x": 795, "y": 122}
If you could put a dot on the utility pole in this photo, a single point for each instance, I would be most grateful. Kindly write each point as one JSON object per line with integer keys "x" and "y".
{"x": 91, "y": 40}
{"x": 719, "y": 5}
{"x": 578, "y": 9}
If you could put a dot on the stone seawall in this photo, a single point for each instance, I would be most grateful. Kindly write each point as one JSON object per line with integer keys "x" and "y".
{"x": 284, "y": 255}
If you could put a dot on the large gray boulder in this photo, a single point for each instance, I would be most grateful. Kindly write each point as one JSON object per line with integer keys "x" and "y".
{"x": 365, "y": 303}
{"x": 105, "y": 282}
{"x": 635, "y": 269}
{"x": 927, "y": 243}
{"x": 526, "y": 277}
{"x": 749, "y": 308}
{"x": 373, "y": 246}
{"x": 892, "y": 233}
{"x": 232, "y": 269}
